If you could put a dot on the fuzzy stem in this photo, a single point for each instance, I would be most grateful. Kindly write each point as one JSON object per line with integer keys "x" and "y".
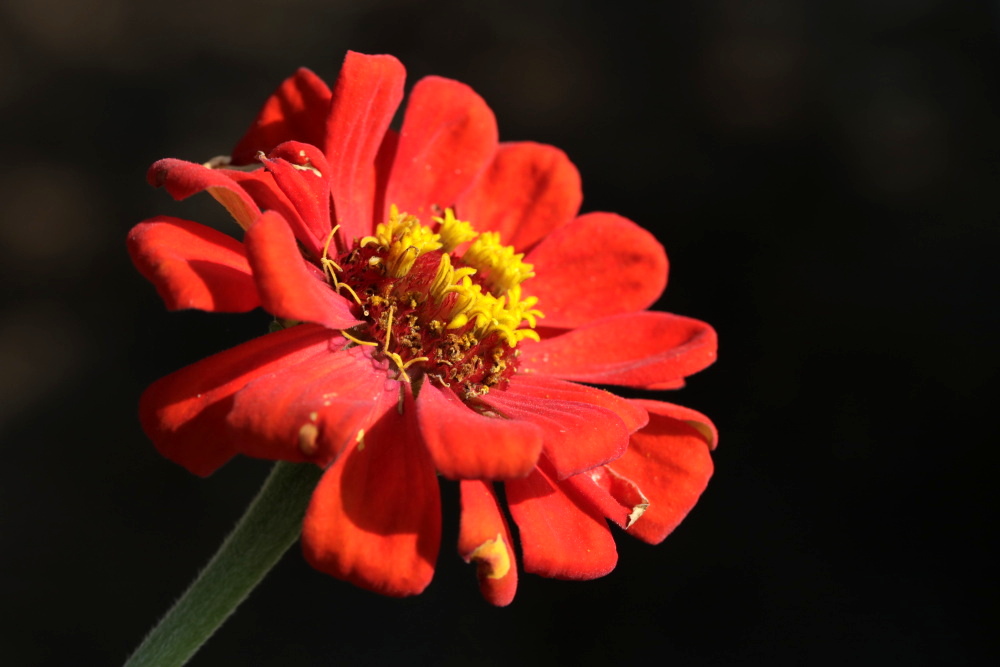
{"x": 271, "y": 524}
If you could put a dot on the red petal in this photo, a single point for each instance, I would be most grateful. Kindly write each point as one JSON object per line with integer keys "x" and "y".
{"x": 647, "y": 349}
{"x": 184, "y": 413}
{"x": 467, "y": 445}
{"x": 263, "y": 189}
{"x": 669, "y": 460}
{"x": 182, "y": 179}
{"x": 375, "y": 517}
{"x": 193, "y": 266}
{"x": 307, "y": 191}
{"x": 576, "y": 436}
{"x": 558, "y": 537}
{"x": 484, "y": 537}
{"x": 365, "y": 98}
{"x": 598, "y": 265}
{"x": 527, "y": 191}
{"x": 533, "y": 386}
{"x": 312, "y": 411}
{"x": 383, "y": 167}
{"x": 297, "y": 110}
{"x": 611, "y": 494}
{"x": 288, "y": 289}
{"x": 449, "y": 135}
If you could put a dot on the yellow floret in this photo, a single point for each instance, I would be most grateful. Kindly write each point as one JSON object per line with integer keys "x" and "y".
{"x": 405, "y": 239}
{"x": 454, "y": 232}
{"x": 501, "y": 267}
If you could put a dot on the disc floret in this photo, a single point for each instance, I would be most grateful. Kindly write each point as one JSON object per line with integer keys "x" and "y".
{"x": 453, "y": 318}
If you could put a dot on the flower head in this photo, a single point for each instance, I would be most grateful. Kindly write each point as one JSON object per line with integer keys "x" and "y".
{"x": 440, "y": 309}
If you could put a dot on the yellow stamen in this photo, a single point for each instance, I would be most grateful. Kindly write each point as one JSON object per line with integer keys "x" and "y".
{"x": 357, "y": 341}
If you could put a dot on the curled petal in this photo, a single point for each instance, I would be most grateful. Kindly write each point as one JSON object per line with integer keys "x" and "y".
{"x": 288, "y": 289}
{"x": 297, "y": 110}
{"x": 614, "y": 496}
{"x": 527, "y": 191}
{"x": 449, "y": 135}
{"x": 466, "y": 444}
{"x": 182, "y": 179}
{"x": 367, "y": 94}
{"x": 648, "y": 349}
{"x": 669, "y": 460}
{"x": 559, "y": 538}
{"x": 193, "y": 266}
{"x": 484, "y": 537}
{"x": 375, "y": 517}
{"x": 600, "y": 264}
{"x": 261, "y": 186}
{"x": 184, "y": 413}
{"x": 576, "y": 435}
{"x": 294, "y": 167}
{"x": 311, "y": 411}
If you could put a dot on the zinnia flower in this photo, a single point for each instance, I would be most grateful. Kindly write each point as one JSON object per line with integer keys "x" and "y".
{"x": 438, "y": 303}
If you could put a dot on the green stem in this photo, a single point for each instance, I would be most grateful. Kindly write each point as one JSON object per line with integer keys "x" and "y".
{"x": 271, "y": 525}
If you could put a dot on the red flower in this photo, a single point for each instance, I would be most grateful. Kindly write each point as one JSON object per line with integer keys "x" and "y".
{"x": 410, "y": 342}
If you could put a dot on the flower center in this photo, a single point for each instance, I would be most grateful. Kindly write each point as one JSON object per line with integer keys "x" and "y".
{"x": 454, "y": 318}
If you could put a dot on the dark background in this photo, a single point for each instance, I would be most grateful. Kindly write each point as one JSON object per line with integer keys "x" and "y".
{"x": 823, "y": 176}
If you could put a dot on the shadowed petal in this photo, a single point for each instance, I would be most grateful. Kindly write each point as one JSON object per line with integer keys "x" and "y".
{"x": 365, "y": 97}
{"x": 288, "y": 289}
{"x": 375, "y": 517}
{"x": 600, "y": 264}
{"x": 448, "y": 136}
{"x": 559, "y": 538}
{"x": 184, "y": 413}
{"x": 465, "y": 444}
{"x": 297, "y": 110}
{"x": 576, "y": 436}
{"x": 485, "y": 538}
{"x": 193, "y": 266}
{"x": 312, "y": 411}
{"x": 669, "y": 460}
{"x": 527, "y": 191}
{"x": 647, "y": 349}
{"x": 182, "y": 179}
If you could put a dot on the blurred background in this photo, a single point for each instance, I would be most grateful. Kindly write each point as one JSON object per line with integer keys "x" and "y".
{"x": 823, "y": 176}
